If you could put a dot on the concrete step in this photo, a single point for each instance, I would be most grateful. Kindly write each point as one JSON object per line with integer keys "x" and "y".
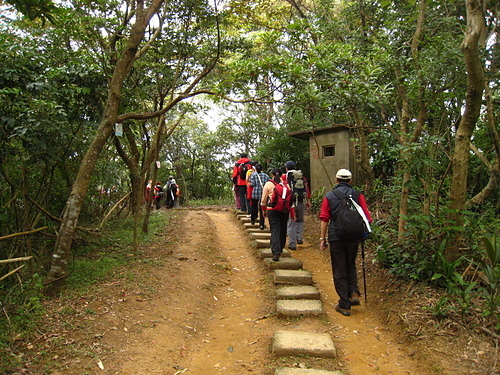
{"x": 261, "y": 235}
{"x": 258, "y": 230}
{"x": 263, "y": 243}
{"x": 267, "y": 253}
{"x": 292, "y": 277}
{"x": 300, "y": 371}
{"x": 294, "y": 343}
{"x": 298, "y": 292}
{"x": 244, "y": 219}
{"x": 285, "y": 263}
{"x": 294, "y": 307}
{"x": 249, "y": 225}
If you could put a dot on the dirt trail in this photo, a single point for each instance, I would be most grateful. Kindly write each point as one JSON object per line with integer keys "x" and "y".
{"x": 203, "y": 303}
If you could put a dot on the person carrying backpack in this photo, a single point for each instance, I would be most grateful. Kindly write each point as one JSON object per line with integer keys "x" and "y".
{"x": 301, "y": 194}
{"x": 158, "y": 194}
{"x": 345, "y": 231}
{"x": 171, "y": 191}
{"x": 277, "y": 205}
{"x": 257, "y": 181}
{"x": 239, "y": 176}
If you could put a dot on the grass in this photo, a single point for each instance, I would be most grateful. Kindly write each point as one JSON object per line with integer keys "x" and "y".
{"x": 210, "y": 202}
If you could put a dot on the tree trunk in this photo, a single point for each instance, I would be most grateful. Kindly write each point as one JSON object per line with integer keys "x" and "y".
{"x": 62, "y": 252}
{"x": 474, "y": 38}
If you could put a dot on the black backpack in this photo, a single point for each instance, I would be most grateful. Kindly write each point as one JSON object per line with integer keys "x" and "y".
{"x": 243, "y": 169}
{"x": 348, "y": 223}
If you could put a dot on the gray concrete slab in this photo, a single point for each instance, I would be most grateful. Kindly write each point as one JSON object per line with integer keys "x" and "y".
{"x": 297, "y": 307}
{"x": 263, "y": 243}
{"x": 300, "y": 371}
{"x": 261, "y": 235}
{"x": 258, "y": 230}
{"x": 250, "y": 225}
{"x": 285, "y": 263}
{"x": 267, "y": 253}
{"x": 293, "y": 343}
{"x": 292, "y": 277}
{"x": 298, "y": 292}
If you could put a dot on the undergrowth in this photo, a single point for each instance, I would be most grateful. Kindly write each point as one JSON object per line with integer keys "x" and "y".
{"x": 471, "y": 281}
{"x": 96, "y": 256}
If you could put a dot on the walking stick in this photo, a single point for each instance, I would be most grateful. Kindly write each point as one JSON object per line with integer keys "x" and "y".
{"x": 363, "y": 261}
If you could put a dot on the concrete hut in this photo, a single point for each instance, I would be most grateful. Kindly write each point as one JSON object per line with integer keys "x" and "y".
{"x": 331, "y": 148}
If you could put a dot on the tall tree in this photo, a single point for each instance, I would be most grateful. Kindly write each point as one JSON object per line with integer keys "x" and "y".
{"x": 141, "y": 17}
{"x": 474, "y": 41}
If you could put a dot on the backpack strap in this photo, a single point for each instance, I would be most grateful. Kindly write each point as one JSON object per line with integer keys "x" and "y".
{"x": 260, "y": 181}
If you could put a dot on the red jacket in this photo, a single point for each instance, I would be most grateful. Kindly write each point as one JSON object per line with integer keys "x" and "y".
{"x": 236, "y": 171}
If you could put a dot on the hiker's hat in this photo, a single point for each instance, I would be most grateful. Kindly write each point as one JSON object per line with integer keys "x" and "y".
{"x": 290, "y": 165}
{"x": 344, "y": 174}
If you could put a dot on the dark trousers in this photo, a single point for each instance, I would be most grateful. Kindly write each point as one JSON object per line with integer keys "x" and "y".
{"x": 158, "y": 203}
{"x": 256, "y": 211}
{"x": 343, "y": 256}
{"x": 277, "y": 224}
{"x": 242, "y": 197}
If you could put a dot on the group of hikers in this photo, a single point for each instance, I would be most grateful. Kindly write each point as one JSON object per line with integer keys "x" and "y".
{"x": 170, "y": 192}
{"x": 283, "y": 196}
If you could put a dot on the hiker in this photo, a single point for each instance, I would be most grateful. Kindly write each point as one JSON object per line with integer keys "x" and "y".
{"x": 158, "y": 194}
{"x": 249, "y": 173}
{"x": 277, "y": 204}
{"x": 239, "y": 181}
{"x": 257, "y": 182}
{"x": 171, "y": 191}
{"x": 298, "y": 184}
{"x": 343, "y": 252}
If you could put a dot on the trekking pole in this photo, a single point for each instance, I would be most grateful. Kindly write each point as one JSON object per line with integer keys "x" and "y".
{"x": 363, "y": 261}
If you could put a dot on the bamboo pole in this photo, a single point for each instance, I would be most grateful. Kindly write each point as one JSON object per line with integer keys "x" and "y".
{"x": 13, "y": 260}
{"x": 11, "y": 272}
{"x": 112, "y": 209}
{"x": 22, "y": 233}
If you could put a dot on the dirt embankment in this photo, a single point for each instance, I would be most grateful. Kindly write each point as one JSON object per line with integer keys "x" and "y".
{"x": 202, "y": 302}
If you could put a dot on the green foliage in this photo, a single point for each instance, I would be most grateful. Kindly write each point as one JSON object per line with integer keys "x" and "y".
{"x": 21, "y": 308}
{"x": 316, "y": 200}
{"x": 217, "y": 201}
{"x": 414, "y": 256}
{"x": 460, "y": 291}
{"x": 489, "y": 264}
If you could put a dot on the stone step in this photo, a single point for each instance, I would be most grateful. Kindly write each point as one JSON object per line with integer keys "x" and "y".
{"x": 294, "y": 343}
{"x": 300, "y": 371}
{"x": 285, "y": 263}
{"x": 298, "y": 292}
{"x": 261, "y": 235}
{"x": 258, "y": 230}
{"x": 267, "y": 253}
{"x": 292, "y": 277}
{"x": 263, "y": 243}
{"x": 249, "y": 225}
{"x": 245, "y": 219}
{"x": 297, "y": 307}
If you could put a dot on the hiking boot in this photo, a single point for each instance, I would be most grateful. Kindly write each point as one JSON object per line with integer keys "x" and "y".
{"x": 300, "y": 242}
{"x": 354, "y": 299}
{"x": 276, "y": 258}
{"x": 292, "y": 247}
{"x": 343, "y": 311}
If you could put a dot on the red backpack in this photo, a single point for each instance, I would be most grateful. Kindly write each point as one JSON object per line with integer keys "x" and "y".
{"x": 281, "y": 199}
